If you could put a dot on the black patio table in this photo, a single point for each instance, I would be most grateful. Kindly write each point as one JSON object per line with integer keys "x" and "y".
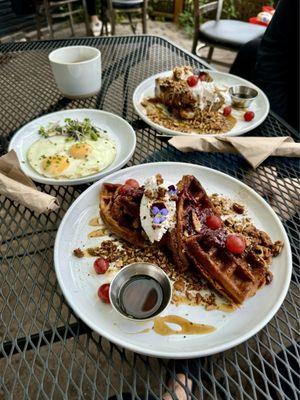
{"x": 46, "y": 351}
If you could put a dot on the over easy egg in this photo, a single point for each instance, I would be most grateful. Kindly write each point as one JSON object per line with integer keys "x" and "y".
{"x": 59, "y": 158}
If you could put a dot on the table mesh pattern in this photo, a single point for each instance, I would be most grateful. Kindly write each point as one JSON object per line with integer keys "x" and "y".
{"x": 46, "y": 351}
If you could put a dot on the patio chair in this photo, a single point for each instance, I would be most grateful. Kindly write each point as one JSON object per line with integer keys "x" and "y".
{"x": 128, "y": 7}
{"x": 52, "y": 12}
{"x": 223, "y": 33}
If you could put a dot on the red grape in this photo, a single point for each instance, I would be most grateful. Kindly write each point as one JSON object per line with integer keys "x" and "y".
{"x": 101, "y": 265}
{"x": 103, "y": 292}
{"x": 123, "y": 189}
{"x": 203, "y": 76}
{"x": 213, "y": 222}
{"x": 132, "y": 183}
{"x": 248, "y": 116}
{"x": 227, "y": 111}
{"x": 235, "y": 244}
{"x": 192, "y": 80}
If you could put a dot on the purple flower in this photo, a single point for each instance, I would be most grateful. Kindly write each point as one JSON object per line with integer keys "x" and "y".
{"x": 155, "y": 210}
{"x": 164, "y": 211}
{"x": 162, "y": 219}
{"x": 156, "y": 220}
{"x": 172, "y": 190}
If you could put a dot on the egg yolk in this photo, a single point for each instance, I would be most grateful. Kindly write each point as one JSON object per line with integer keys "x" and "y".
{"x": 55, "y": 165}
{"x": 80, "y": 150}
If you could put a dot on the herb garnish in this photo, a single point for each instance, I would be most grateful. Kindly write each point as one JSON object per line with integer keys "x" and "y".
{"x": 73, "y": 130}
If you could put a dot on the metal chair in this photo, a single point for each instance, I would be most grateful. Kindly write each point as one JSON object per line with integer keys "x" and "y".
{"x": 223, "y": 33}
{"x": 128, "y": 7}
{"x": 49, "y": 8}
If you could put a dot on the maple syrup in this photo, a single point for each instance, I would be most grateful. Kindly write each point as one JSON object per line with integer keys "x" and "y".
{"x": 141, "y": 297}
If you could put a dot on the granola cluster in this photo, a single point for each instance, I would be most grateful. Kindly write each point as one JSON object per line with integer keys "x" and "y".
{"x": 187, "y": 286}
{"x": 203, "y": 122}
{"x": 262, "y": 249}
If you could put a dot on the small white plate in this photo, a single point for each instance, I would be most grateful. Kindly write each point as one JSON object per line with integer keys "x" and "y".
{"x": 117, "y": 129}
{"x": 79, "y": 282}
{"x": 260, "y": 106}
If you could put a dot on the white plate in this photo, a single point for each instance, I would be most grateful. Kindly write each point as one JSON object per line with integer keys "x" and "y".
{"x": 260, "y": 106}
{"x": 79, "y": 282}
{"x": 117, "y": 129}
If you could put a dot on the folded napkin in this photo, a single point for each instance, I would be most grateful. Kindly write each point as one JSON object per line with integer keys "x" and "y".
{"x": 254, "y": 149}
{"x": 15, "y": 185}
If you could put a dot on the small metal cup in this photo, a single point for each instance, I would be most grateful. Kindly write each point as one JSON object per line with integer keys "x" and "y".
{"x": 242, "y": 96}
{"x": 135, "y": 270}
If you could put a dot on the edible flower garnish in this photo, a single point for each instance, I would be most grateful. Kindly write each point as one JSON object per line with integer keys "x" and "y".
{"x": 172, "y": 190}
{"x": 159, "y": 214}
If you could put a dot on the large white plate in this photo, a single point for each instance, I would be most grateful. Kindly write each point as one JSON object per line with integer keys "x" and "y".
{"x": 79, "y": 282}
{"x": 260, "y": 105}
{"x": 117, "y": 129}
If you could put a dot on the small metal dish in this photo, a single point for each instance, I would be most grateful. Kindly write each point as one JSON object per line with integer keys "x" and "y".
{"x": 242, "y": 96}
{"x": 135, "y": 271}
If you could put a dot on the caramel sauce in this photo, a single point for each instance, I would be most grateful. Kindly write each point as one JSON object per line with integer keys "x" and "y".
{"x": 177, "y": 300}
{"x": 226, "y": 307}
{"x": 94, "y": 222}
{"x": 187, "y": 327}
{"x": 232, "y": 119}
{"x": 96, "y": 233}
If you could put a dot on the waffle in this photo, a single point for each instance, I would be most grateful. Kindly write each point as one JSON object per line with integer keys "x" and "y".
{"x": 233, "y": 276}
{"x": 120, "y": 211}
{"x": 192, "y": 244}
{"x": 193, "y": 206}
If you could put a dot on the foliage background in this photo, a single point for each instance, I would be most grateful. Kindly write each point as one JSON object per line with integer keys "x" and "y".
{"x": 232, "y": 9}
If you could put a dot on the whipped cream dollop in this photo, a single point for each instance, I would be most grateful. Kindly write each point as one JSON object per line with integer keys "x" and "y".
{"x": 206, "y": 93}
{"x": 158, "y": 208}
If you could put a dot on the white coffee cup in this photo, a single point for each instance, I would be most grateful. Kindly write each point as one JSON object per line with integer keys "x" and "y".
{"x": 76, "y": 70}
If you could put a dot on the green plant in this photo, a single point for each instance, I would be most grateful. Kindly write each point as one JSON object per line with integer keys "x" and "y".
{"x": 232, "y": 9}
{"x": 186, "y": 21}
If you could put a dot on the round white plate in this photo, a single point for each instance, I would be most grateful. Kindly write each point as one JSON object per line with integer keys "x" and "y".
{"x": 117, "y": 129}
{"x": 260, "y": 106}
{"x": 79, "y": 281}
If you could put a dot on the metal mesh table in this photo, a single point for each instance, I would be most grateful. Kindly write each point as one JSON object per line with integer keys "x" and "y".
{"x": 46, "y": 352}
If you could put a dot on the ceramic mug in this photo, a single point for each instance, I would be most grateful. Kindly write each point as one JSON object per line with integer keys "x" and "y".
{"x": 76, "y": 70}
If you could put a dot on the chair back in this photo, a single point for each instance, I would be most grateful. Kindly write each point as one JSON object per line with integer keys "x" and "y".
{"x": 219, "y": 10}
{"x": 205, "y": 8}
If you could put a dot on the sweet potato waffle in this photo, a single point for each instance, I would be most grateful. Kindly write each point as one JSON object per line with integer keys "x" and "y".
{"x": 192, "y": 245}
{"x": 120, "y": 211}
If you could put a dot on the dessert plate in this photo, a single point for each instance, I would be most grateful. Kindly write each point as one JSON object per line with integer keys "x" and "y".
{"x": 260, "y": 106}
{"x": 79, "y": 281}
{"x": 117, "y": 129}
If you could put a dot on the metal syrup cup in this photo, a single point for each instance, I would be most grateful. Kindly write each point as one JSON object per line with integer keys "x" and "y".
{"x": 135, "y": 270}
{"x": 242, "y": 96}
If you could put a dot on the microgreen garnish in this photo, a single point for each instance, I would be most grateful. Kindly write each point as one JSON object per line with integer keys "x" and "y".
{"x": 73, "y": 130}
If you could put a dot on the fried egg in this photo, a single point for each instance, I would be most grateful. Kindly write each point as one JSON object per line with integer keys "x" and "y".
{"x": 58, "y": 158}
